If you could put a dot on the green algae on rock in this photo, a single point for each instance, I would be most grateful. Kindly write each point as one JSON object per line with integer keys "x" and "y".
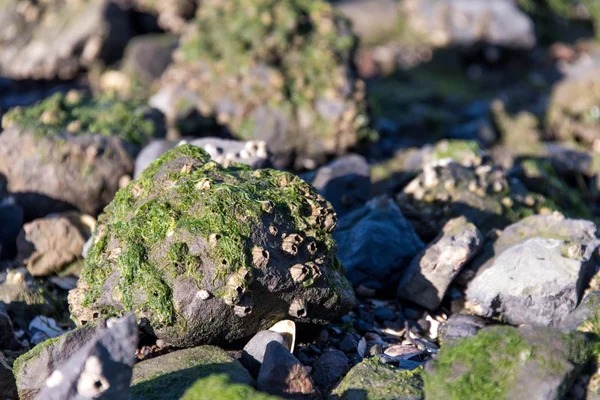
{"x": 373, "y": 380}
{"x": 205, "y": 254}
{"x": 285, "y": 76}
{"x": 508, "y": 363}
{"x": 219, "y": 387}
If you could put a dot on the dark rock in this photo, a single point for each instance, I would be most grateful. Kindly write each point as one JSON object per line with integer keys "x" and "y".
{"x": 101, "y": 369}
{"x": 209, "y": 272}
{"x": 254, "y": 351}
{"x": 540, "y": 279}
{"x": 460, "y": 326}
{"x": 376, "y": 242}
{"x": 8, "y": 387}
{"x": 54, "y": 40}
{"x": 282, "y": 374}
{"x": 33, "y": 368}
{"x": 508, "y": 363}
{"x": 345, "y": 183}
{"x": 8, "y": 340}
{"x": 170, "y": 375}
{"x": 384, "y": 314}
{"x": 329, "y": 368}
{"x": 363, "y": 326}
{"x": 431, "y": 272}
{"x": 349, "y": 343}
{"x": 11, "y": 222}
{"x": 371, "y": 379}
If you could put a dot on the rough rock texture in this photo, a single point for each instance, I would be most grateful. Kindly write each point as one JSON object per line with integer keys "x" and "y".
{"x": 254, "y": 351}
{"x": 460, "y": 326}
{"x": 57, "y": 38}
{"x": 170, "y": 375}
{"x": 223, "y": 151}
{"x": 73, "y": 149}
{"x": 8, "y": 387}
{"x": 33, "y": 368}
{"x": 172, "y": 15}
{"x": 101, "y": 369}
{"x": 375, "y": 243}
{"x": 329, "y": 368}
{"x": 49, "y": 244}
{"x": 508, "y": 363}
{"x": 431, "y": 272}
{"x": 219, "y": 387}
{"x": 586, "y": 317}
{"x": 481, "y": 193}
{"x": 204, "y": 254}
{"x": 345, "y": 183}
{"x": 282, "y": 374}
{"x": 468, "y": 22}
{"x": 287, "y": 80}
{"x": 541, "y": 267}
{"x": 373, "y": 380}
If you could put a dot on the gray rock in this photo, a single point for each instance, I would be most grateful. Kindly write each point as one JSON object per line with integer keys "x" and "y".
{"x": 170, "y": 375}
{"x": 431, "y": 272}
{"x": 538, "y": 281}
{"x": 147, "y": 57}
{"x": 467, "y": 22}
{"x": 585, "y": 316}
{"x": 101, "y": 369}
{"x": 33, "y": 368}
{"x": 345, "y": 183}
{"x": 372, "y": 19}
{"x": 8, "y": 387}
{"x": 51, "y": 40}
{"x": 460, "y": 326}
{"x": 375, "y": 243}
{"x": 371, "y": 379}
{"x": 509, "y": 363}
{"x": 223, "y": 151}
{"x": 282, "y": 374}
{"x": 253, "y": 354}
{"x": 329, "y": 368}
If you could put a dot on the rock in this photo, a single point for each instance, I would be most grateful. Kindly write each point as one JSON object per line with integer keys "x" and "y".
{"x": 223, "y": 151}
{"x": 25, "y": 299}
{"x": 170, "y": 375}
{"x": 172, "y": 15}
{"x": 468, "y": 22}
{"x": 45, "y": 325}
{"x": 384, "y": 314}
{"x": 373, "y": 380}
{"x": 585, "y": 316}
{"x": 47, "y": 245}
{"x": 254, "y": 351}
{"x": 8, "y": 340}
{"x": 539, "y": 279}
{"x": 219, "y": 253}
{"x": 431, "y": 272}
{"x": 482, "y": 194}
{"x": 101, "y": 369}
{"x": 508, "y": 363}
{"x": 349, "y": 344}
{"x": 33, "y": 368}
{"x": 345, "y": 183}
{"x": 282, "y": 374}
{"x": 11, "y": 222}
{"x": 329, "y": 368}
{"x": 148, "y": 56}
{"x": 460, "y": 326}
{"x": 300, "y": 96}
{"x": 375, "y": 243}
{"x": 220, "y": 387}
{"x": 372, "y": 20}
{"x": 56, "y": 40}
{"x": 8, "y": 387}
{"x": 73, "y": 149}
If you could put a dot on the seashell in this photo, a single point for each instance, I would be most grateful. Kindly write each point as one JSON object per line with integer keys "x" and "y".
{"x": 288, "y": 329}
{"x": 298, "y": 309}
{"x": 260, "y": 257}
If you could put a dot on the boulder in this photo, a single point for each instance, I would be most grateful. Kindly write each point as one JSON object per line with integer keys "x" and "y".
{"x": 375, "y": 244}
{"x": 508, "y": 363}
{"x": 431, "y": 272}
{"x": 289, "y": 81}
{"x": 216, "y": 387}
{"x": 72, "y": 151}
{"x": 56, "y": 39}
{"x": 170, "y": 375}
{"x": 373, "y": 380}
{"x": 254, "y": 351}
{"x": 204, "y": 254}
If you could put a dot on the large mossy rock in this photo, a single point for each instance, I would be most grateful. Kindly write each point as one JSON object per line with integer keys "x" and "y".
{"x": 220, "y": 387}
{"x": 285, "y": 76}
{"x": 508, "y": 363}
{"x": 170, "y": 375}
{"x": 72, "y": 150}
{"x": 205, "y": 254}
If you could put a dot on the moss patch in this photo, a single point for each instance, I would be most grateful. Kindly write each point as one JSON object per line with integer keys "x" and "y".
{"x": 219, "y": 387}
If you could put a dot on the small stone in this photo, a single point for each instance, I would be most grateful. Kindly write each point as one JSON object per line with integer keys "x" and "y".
{"x": 384, "y": 314}
{"x": 254, "y": 351}
{"x": 460, "y": 326}
{"x": 329, "y": 368}
{"x": 349, "y": 344}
